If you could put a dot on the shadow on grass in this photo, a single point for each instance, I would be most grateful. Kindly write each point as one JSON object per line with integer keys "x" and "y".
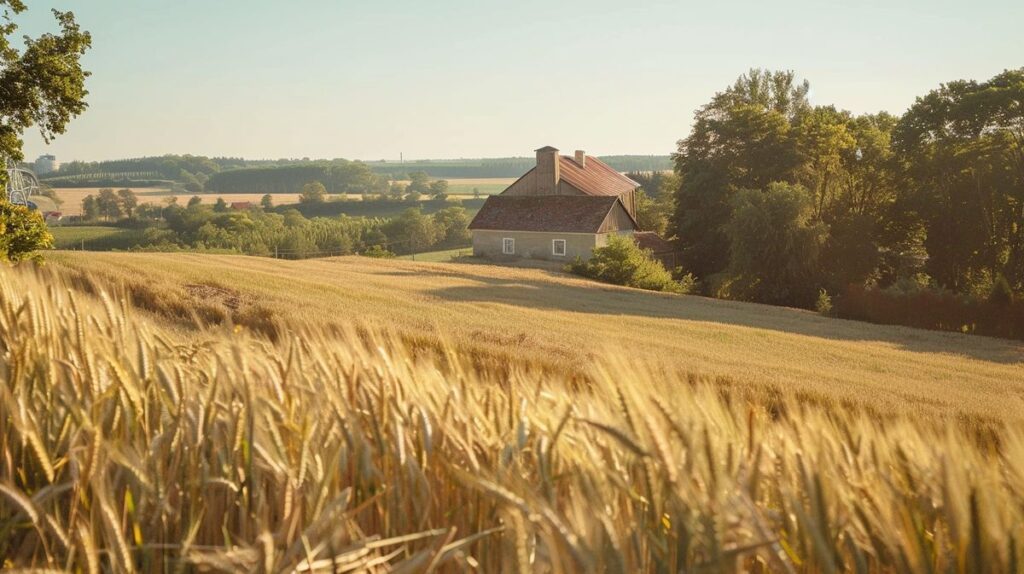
{"x": 617, "y": 301}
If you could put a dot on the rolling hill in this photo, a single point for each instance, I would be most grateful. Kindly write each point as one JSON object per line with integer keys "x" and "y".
{"x": 563, "y": 323}
{"x": 381, "y": 415}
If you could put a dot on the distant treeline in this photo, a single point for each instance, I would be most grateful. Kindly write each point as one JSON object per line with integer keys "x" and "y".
{"x": 265, "y": 230}
{"x": 338, "y": 176}
{"x": 508, "y": 167}
{"x": 236, "y": 175}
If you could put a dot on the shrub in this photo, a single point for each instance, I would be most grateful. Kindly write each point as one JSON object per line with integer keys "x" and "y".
{"x": 22, "y": 233}
{"x": 378, "y": 252}
{"x": 824, "y": 304}
{"x": 934, "y": 309}
{"x": 622, "y": 262}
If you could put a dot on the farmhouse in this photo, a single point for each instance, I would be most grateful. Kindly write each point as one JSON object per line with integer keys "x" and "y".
{"x": 563, "y": 208}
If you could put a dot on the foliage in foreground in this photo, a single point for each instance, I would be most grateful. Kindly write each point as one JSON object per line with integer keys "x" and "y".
{"x": 623, "y": 262}
{"x": 22, "y": 233}
{"x": 126, "y": 445}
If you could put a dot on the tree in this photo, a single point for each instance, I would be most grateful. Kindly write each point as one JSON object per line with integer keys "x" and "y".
{"x": 46, "y": 76}
{"x": 189, "y": 181}
{"x": 419, "y": 182}
{"x": 128, "y": 201}
{"x": 194, "y": 200}
{"x": 108, "y": 204}
{"x": 90, "y": 211}
{"x": 850, "y": 255}
{"x": 961, "y": 153}
{"x": 732, "y": 146}
{"x": 43, "y": 85}
{"x": 267, "y": 202}
{"x": 313, "y": 192}
{"x": 413, "y": 230}
{"x": 221, "y": 206}
{"x": 775, "y": 243}
{"x": 453, "y": 223}
{"x": 822, "y": 141}
{"x": 652, "y": 214}
{"x": 439, "y": 188}
{"x": 769, "y": 90}
{"x": 22, "y": 233}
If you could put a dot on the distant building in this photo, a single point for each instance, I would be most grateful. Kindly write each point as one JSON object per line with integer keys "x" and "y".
{"x": 46, "y": 164}
{"x": 242, "y": 205}
{"x": 563, "y": 208}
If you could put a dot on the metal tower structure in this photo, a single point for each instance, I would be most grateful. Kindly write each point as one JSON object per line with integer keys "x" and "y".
{"x": 21, "y": 184}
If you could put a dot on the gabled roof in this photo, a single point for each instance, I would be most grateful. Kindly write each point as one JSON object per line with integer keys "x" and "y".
{"x": 597, "y": 178}
{"x": 544, "y": 213}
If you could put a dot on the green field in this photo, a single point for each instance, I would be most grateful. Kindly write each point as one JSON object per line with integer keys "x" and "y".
{"x": 383, "y": 209}
{"x": 94, "y": 238}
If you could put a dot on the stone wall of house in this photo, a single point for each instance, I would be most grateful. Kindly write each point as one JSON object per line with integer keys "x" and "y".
{"x": 537, "y": 245}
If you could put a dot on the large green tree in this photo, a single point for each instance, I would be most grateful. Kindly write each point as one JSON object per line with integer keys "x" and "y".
{"x": 742, "y": 139}
{"x": 775, "y": 243}
{"x": 41, "y": 83}
{"x": 961, "y": 153}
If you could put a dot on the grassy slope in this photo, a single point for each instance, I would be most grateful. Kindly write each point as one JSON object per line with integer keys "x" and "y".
{"x": 443, "y": 256}
{"x": 520, "y": 314}
{"x": 94, "y": 237}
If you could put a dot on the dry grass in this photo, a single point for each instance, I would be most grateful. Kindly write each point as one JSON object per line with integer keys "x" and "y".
{"x": 135, "y": 441}
{"x": 566, "y": 322}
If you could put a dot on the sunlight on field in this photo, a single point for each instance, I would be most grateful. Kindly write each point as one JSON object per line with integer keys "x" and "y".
{"x": 272, "y": 416}
{"x": 443, "y": 256}
{"x": 566, "y": 322}
{"x": 72, "y": 196}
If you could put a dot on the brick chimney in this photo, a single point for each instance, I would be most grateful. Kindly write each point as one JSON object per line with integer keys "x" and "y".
{"x": 581, "y": 158}
{"x": 548, "y": 172}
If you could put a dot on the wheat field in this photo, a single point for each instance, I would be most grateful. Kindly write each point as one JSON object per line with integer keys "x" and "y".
{"x": 220, "y": 426}
{"x": 565, "y": 323}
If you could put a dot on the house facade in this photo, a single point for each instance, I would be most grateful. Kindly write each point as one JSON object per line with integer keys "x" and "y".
{"x": 563, "y": 208}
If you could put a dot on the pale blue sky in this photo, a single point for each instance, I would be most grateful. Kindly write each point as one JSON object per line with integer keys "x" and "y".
{"x": 453, "y": 78}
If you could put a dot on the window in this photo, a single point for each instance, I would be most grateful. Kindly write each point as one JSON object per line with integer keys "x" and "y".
{"x": 558, "y": 247}
{"x": 508, "y": 246}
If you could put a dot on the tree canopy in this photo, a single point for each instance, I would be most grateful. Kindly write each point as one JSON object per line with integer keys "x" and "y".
{"x": 936, "y": 193}
{"x": 42, "y": 84}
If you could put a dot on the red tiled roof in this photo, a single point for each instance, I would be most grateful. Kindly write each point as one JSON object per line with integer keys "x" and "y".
{"x": 653, "y": 241}
{"x": 551, "y": 213}
{"x": 597, "y": 178}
